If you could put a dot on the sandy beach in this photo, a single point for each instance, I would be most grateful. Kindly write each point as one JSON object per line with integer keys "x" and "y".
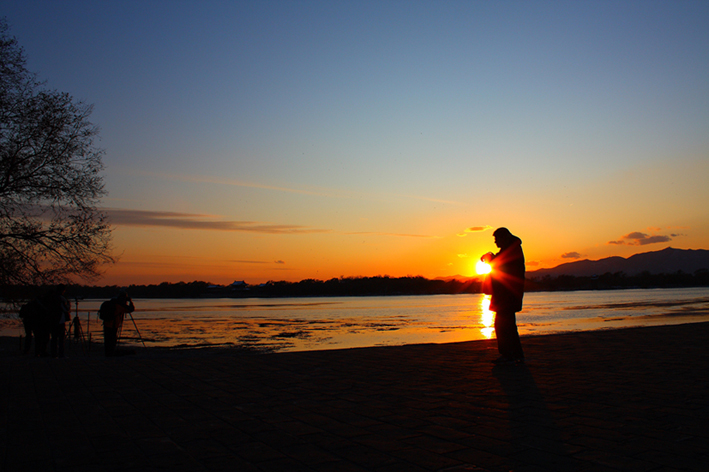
{"x": 626, "y": 399}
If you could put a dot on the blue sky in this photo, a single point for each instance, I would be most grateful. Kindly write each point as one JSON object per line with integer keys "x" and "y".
{"x": 378, "y": 131}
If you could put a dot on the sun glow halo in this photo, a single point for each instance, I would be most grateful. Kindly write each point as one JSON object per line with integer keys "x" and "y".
{"x": 482, "y": 268}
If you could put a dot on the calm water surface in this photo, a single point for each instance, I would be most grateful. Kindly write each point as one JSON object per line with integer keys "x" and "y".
{"x": 301, "y": 324}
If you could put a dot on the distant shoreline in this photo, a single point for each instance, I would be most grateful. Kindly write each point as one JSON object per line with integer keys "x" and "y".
{"x": 370, "y": 287}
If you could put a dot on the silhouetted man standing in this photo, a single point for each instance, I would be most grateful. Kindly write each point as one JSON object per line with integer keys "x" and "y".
{"x": 59, "y": 309}
{"x": 112, "y": 313}
{"x": 507, "y": 279}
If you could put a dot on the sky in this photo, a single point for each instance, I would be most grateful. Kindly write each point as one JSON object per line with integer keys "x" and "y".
{"x": 288, "y": 140}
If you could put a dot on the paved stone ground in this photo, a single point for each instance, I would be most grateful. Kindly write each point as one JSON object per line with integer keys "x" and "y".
{"x": 631, "y": 399}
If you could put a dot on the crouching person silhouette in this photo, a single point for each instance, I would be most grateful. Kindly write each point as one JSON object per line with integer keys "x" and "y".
{"x": 112, "y": 313}
{"x": 507, "y": 279}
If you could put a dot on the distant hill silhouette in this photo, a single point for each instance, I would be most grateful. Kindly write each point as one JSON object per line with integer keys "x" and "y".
{"x": 666, "y": 261}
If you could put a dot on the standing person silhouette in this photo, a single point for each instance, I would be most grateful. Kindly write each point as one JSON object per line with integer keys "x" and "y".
{"x": 59, "y": 313}
{"x": 507, "y": 279}
{"x": 112, "y": 313}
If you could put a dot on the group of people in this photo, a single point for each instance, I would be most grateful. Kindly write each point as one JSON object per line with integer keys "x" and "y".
{"x": 45, "y": 318}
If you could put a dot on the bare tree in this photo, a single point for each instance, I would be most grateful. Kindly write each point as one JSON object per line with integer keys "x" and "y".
{"x": 50, "y": 181}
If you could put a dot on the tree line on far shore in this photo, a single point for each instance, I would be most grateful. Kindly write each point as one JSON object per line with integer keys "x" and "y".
{"x": 374, "y": 286}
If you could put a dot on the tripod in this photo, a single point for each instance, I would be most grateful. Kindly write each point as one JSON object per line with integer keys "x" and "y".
{"x": 75, "y": 324}
{"x": 136, "y": 330}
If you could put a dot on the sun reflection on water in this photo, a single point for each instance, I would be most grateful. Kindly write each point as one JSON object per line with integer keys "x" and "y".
{"x": 487, "y": 317}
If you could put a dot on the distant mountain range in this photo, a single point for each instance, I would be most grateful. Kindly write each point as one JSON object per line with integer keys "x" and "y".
{"x": 666, "y": 261}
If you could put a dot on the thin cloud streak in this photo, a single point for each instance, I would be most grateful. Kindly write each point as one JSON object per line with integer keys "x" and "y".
{"x": 168, "y": 219}
{"x": 192, "y": 261}
{"x": 636, "y": 238}
{"x": 402, "y": 235}
{"x": 318, "y": 193}
{"x": 434, "y": 200}
{"x": 571, "y": 255}
{"x": 238, "y": 183}
{"x": 474, "y": 229}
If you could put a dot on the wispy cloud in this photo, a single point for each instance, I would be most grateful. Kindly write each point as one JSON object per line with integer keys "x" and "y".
{"x": 279, "y": 262}
{"x": 402, "y": 235}
{"x": 571, "y": 255}
{"x": 637, "y": 238}
{"x": 474, "y": 229}
{"x": 169, "y": 219}
{"x": 235, "y": 183}
{"x": 434, "y": 200}
{"x": 319, "y": 192}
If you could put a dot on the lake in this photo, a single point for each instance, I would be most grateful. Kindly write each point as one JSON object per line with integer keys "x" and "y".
{"x": 304, "y": 324}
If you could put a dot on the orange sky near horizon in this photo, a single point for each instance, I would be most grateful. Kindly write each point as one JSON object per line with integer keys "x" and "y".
{"x": 158, "y": 254}
{"x": 341, "y": 234}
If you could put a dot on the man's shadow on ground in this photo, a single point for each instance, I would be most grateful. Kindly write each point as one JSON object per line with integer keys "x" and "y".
{"x": 536, "y": 438}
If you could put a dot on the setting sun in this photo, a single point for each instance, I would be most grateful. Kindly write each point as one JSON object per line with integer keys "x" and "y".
{"x": 482, "y": 268}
